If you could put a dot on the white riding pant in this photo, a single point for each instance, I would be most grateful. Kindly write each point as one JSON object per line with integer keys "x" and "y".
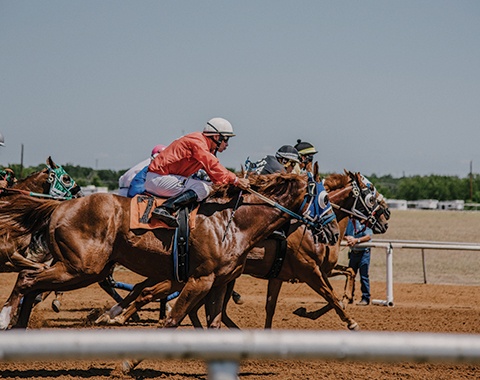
{"x": 171, "y": 185}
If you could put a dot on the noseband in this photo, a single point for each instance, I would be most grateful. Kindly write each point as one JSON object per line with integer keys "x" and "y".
{"x": 365, "y": 205}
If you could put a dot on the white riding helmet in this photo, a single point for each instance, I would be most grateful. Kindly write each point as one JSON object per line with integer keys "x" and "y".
{"x": 216, "y": 126}
{"x": 2, "y": 140}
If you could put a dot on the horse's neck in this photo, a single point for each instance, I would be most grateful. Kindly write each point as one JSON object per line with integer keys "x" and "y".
{"x": 342, "y": 228}
{"x": 32, "y": 183}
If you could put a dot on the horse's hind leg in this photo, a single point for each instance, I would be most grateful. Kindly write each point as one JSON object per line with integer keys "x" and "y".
{"x": 341, "y": 270}
{"x": 320, "y": 284}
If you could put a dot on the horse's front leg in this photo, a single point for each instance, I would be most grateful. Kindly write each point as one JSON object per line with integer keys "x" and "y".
{"x": 273, "y": 290}
{"x": 193, "y": 292}
{"x": 227, "y": 321}
{"x": 112, "y": 316}
{"x": 214, "y": 305}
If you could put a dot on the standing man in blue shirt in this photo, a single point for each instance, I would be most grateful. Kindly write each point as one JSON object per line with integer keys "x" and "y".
{"x": 359, "y": 257}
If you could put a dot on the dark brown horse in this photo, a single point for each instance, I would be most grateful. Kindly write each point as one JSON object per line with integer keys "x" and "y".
{"x": 305, "y": 260}
{"x": 87, "y": 236}
{"x": 18, "y": 250}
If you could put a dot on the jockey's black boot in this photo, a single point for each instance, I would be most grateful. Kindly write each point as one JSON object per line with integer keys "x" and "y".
{"x": 171, "y": 205}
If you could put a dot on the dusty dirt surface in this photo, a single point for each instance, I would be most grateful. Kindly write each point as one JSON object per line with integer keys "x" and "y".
{"x": 446, "y": 308}
{"x": 418, "y": 307}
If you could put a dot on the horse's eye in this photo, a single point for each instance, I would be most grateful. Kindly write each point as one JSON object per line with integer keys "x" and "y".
{"x": 370, "y": 200}
{"x": 66, "y": 179}
{"x": 323, "y": 199}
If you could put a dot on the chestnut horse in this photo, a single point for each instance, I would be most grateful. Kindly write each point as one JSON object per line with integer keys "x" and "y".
{"x": 17, "y": 250}
{"x": 87, "y": 236}
{"x": 306, "y": 259}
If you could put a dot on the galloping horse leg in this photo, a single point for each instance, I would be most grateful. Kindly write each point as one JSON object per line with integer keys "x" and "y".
{"x": 193, "y": 315}
{"x": 273, "y": 290}
{"x": 122, "y": 311}
{"x": 320, "y": 284}
{"x": 341, "y": 270}
{"x": 195, "y": 289}
{"x": 30, "y": 283}
{"x": 214, "y": 304}
{"x": 11, "y": 309}
{"x": 26, "y": 310}
{"x": 57, "y": 302}
{"x": 225, "y": 318}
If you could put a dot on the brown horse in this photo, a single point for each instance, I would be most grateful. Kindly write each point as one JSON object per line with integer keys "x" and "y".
{"x": 305, "y": 260}
{"x": 17, "y": 250}
{"x": 87, "y": 236}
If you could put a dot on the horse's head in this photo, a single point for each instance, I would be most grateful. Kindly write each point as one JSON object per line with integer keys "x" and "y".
{"x": 356, "y": 196}
{"x": 380, "y": 213}
{"x": 302, "y": 199}
{"x": 53, "y": 180}
{"x": 61, "y": 183}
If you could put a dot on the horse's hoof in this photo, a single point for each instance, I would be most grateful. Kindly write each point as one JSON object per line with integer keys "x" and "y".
{"x": 354, "y": 326}
{"x": 128, "y": 366}
{"x": 104, "y": 319}
{"x": 301, "y": 312}
{"x": 56, "y": 306}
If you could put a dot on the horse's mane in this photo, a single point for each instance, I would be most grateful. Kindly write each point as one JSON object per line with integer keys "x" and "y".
{"x": 267, "y": 184}
{"x": 336, "y": 181}
{"x": 25, "y": 214}
{"x": 30, "y": 176}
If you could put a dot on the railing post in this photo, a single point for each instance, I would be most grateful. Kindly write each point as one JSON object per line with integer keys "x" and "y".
{"x": 424, "y": 265}
{"x": 223, "y": 370}
{"x": 390, "y": 275}
{"x": 389, "y": 270}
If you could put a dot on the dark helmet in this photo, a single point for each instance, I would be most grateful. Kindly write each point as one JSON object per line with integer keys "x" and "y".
{"x": 288, "y": 153}
{"x": 305, "y": 148}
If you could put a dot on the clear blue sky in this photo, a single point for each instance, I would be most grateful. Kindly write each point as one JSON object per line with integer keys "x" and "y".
{"x": 384, "y": 87}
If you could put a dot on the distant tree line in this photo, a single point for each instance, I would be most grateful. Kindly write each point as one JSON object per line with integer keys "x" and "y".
{"x": 442, "y": 188}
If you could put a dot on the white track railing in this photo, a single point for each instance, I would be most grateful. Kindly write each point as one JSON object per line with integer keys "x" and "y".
{"x": 389, "y": 245}
{"x": 223, "y": 350}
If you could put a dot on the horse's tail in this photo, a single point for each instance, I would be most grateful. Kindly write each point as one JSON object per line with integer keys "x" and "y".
{"x": 25, "y": 214}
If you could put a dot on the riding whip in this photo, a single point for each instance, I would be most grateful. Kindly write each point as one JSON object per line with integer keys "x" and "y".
{"x": 247, "y": 167}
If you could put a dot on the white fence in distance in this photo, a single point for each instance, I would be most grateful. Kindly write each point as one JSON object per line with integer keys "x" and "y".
{"x": 389, "y": 245}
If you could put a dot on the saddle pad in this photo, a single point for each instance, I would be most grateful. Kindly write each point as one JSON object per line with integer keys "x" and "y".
{"x": 138, "y": 206}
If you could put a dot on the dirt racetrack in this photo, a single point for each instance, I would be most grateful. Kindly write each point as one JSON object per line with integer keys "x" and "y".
{"x": 451, "y": 306}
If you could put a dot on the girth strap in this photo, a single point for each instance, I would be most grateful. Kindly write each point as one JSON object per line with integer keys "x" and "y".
{"x": 180, "y": 248}
{"x": 280, "y": 253}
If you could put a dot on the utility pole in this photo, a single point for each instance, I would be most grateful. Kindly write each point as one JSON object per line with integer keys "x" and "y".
{"x": 21, "y": 162}
{"x": 471, "y": 180}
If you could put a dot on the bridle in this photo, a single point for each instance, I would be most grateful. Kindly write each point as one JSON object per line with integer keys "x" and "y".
{"x": 314, "y": 209}
{"x": 62, "y": 186}
{"x": 365, "y": 206}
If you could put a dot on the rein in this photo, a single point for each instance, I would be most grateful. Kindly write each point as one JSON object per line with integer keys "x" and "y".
{"x": 32, "y": 194}
{"x": 325, "y": 220}
{"x": 355, "y": 212}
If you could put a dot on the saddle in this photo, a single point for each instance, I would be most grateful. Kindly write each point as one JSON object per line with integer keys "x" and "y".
{"x": 141, "y": 207}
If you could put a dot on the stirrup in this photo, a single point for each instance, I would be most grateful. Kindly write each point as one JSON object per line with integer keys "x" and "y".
{"x": 162, "y": 214}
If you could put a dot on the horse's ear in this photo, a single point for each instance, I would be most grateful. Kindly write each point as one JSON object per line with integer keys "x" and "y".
{"x": 50, "y": 163}
{"x": 316, "y": 174}
{"x": 242, "y": 172}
